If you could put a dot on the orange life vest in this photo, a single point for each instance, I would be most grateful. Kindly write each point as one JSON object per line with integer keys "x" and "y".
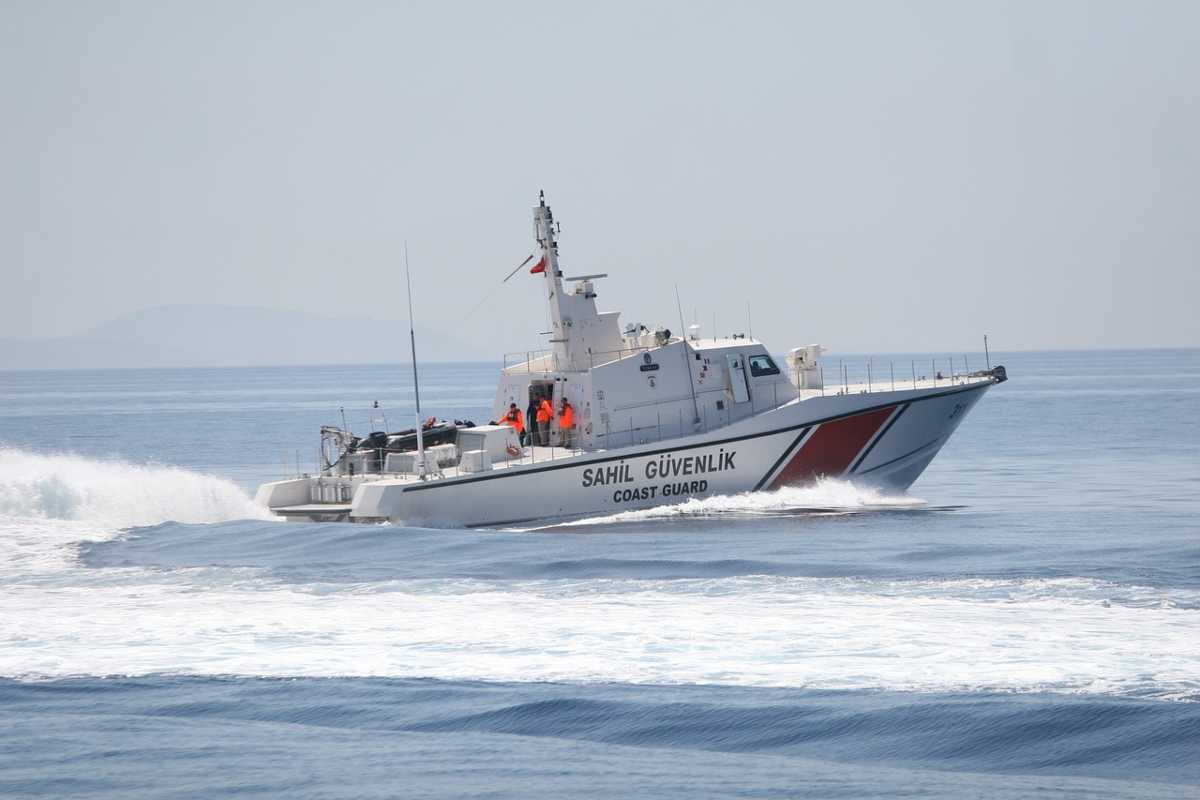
{"x": 515, "y": 419}
{"x": 566, "y": 417}
{"x": 545, "y": 412}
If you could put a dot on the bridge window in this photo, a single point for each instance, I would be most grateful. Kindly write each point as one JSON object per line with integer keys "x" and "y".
{"x": 762, "y": 365}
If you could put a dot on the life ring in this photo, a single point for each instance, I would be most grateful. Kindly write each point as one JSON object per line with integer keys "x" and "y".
{"x": 513, "y": 450}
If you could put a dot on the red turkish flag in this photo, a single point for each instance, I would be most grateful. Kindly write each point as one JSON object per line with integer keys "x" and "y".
{"x": 540, "y": 266}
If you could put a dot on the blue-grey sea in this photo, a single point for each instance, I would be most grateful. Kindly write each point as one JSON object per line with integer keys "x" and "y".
{"x": 1024, "y": 622}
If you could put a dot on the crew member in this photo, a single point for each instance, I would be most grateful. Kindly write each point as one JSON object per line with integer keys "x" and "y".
{"x": 514, "y": 419}
{"x": 545, "y": 414}
{"x": 531, "y": 415}
{"x": 566, "y": 423}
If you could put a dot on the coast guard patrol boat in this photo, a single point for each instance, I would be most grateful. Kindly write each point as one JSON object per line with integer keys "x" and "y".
{"x": 659, "y": 418}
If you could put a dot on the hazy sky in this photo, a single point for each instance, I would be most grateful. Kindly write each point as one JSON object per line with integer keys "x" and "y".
{"x": 873, "y": 176}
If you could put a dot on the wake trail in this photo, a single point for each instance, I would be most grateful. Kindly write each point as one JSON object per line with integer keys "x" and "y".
{"x": 827, "y": 495}
{"x": 50, "y": 503}
{"x": 115, "y": 494}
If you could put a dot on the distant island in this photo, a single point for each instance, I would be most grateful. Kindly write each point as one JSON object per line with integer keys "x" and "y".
{"x": 233, "y": 336}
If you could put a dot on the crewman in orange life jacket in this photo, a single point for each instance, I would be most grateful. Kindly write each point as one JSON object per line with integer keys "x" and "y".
{"x": 566, "y": 423}
{"x": 545, "y": 414}
{"x": 515, "y": 420}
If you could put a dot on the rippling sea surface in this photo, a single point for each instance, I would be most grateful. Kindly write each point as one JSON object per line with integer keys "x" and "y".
{"x": 1024, "y": 622}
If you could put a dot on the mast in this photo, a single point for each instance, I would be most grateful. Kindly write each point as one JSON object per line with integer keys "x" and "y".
{"x": 544, "y": 229}
{"x": 412, "y": 340}
{"x": 577, "y": 330}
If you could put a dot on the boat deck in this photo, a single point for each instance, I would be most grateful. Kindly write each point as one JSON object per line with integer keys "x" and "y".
{"x": 543, "y": 455}
{"x": 531, "y": 455}
{"x": 888, "y": 384}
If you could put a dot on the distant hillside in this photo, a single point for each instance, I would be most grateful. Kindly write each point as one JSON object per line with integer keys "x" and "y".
{"x": 202, "y": 335}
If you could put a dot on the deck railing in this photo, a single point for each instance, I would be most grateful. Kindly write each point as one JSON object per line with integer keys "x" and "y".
{"x": 870, "y": 374}
{"x": 527, "y": 358}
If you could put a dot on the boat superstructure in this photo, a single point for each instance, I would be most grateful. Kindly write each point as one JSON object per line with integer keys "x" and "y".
{"x": 659, "y": 417}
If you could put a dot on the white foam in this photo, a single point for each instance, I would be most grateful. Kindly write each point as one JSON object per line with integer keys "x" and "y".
{"x": 1054, "y": 635}
{"x": 826, "y": 495}
{"x": 114, "y": 494}
{"x": 59, "y": 618}
{"x": 48, "y": 502}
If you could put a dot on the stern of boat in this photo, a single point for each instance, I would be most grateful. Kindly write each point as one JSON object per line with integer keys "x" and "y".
{"x": 307, "y": 499}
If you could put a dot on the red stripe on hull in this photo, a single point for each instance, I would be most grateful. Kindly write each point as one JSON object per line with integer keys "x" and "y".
{"x": 831, "y": 447}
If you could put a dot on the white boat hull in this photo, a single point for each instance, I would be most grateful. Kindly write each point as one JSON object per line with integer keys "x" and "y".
{"x": 879, "y": 438}
{"x": 656, "y": 419}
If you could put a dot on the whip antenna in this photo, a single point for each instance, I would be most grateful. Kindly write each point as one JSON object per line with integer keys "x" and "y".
{"x": 412, "y": 340}
{"x": 687, "y": 362}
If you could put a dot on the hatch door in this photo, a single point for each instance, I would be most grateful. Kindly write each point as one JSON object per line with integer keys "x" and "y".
{"x": 737, "y": 379}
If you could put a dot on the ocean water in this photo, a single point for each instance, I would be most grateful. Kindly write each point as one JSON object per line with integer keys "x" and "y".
{"x": 1024, "y": 622}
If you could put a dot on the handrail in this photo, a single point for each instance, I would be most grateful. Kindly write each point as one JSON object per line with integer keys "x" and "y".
{"x": 623, "y": 351}
{"x": 527, "y": 357}
{"x": 864, "y": 375}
